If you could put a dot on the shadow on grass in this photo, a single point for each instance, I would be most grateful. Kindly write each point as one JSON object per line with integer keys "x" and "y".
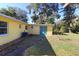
{"x": 35, "y": 45}
{"x": 43, "y": 47}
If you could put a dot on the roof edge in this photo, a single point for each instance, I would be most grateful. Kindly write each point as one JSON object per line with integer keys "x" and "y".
{"x": 12, "y": 18}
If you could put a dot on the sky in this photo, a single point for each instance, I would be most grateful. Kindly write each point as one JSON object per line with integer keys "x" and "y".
{"x": 23, "y": 7}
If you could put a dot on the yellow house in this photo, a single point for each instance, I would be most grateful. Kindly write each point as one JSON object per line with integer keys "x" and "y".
{"x": 10, "y": 28}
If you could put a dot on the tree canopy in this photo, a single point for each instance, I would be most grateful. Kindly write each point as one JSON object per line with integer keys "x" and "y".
{"x": 14, "y": 12}
{"x": 44, "y": 12}
{"x": 48, "y": 12}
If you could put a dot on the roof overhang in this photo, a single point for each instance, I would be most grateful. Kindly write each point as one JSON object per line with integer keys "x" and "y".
{"x": 12, "y": 18}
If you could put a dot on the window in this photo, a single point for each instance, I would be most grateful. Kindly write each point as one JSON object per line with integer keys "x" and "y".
{"x": 26, "y": 27}
{"x": 3, "y": 27}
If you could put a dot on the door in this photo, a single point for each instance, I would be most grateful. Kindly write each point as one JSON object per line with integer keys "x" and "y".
{"x": 43, "y": 30}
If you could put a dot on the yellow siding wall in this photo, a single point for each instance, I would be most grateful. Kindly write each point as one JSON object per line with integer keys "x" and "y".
{"x": 36, "y": 29}
{"x": 49, "y": 30}
{"x": 14, "y": 31}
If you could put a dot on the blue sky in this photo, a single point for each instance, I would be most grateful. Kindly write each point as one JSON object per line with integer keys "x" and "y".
{"x": 20, "y": 5}
{"x": 23, "y": 7}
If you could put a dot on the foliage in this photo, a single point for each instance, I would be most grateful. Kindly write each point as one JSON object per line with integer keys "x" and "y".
{"x": 69, "y": 15}
{"x": 34, "y": 17}
{"x": 14, "y": 12}
{"x": 45, "y": 11}
{"x": 60, "y": 28}
{"x": 51, "y": 21}
{"x": 75, "y": 29}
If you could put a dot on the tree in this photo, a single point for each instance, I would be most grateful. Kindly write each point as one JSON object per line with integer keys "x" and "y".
{"x": 69, "y": 15}
{"x": 14, "y": 12}
{"x": 51, "y": 21}
{"x": 75, "y": 28}
{"x": 34, "y": 17}
{"x": 45, "y": 11}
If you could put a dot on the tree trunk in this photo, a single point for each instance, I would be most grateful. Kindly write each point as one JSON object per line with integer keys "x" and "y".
{"x": 69, "y": 28}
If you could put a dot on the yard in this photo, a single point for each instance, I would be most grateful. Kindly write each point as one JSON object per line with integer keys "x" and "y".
{"x": 61, "y": 45}
{"x": 15, "y": 22}
{"x": 65, "y": 45}
{"x": 30, "y": 45}
{"x": 43, "y": 48}
{"x": 55, "y": 45}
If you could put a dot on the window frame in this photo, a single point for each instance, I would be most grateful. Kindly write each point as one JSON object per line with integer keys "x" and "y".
{"x": 26, "y": 27}
{"x": 6, "y": 29}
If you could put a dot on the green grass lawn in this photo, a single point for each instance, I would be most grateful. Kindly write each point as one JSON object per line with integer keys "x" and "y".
{"x": 65, "y": 44}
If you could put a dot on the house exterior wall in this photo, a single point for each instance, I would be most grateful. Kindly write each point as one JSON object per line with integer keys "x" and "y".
{"x": 49, "y": 30}
{"x": 13, "y": 30}
{"x": 36, "y": 29}
{"x": 33, "y": 29}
